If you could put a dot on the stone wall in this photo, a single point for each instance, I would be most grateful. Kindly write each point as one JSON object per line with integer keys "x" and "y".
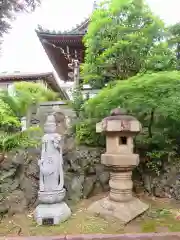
{"x": 84, "y": 177}
{"x": 19, "y": 178}
{"x": 18, "y": 181}
{"x": 167, "y": 184}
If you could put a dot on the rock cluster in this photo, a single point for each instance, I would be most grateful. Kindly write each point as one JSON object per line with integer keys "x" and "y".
{"x": 84, "y": 175}
{"x": 167, "y": 184}
{"x": 18, "y": 181}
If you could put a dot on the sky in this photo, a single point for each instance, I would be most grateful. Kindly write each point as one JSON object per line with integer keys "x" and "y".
{"x": 22, "y": 51}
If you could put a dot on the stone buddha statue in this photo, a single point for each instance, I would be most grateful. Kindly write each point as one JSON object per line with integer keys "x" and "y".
{"x": 51, "y": 162}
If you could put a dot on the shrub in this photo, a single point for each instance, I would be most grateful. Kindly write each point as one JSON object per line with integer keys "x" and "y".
{"x": 154, "y": 99}
{"x": 12, "y": 108}
{"x": 86, "y": 133}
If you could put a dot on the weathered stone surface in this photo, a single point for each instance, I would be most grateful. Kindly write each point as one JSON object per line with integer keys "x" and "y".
{"x": 9, "y": 185}
{"x": 33, "y": 169}
{"x": 18, "y": 182}
{"x": 60, "y": 212}
{"x": 3, "y": 204}
{"x": 30, "y": 187}
{"x": 89, "y": 185}
{"x": 124, "y": 211}
{"x": 7, "y": 174}
{"x": 16, "y": 202}
{"x": 167, "y": 184}
{"x": 84, "y": 175}
{"x": 19, "y": 157}
{"x": 121, "y": 160}
{"x": 75, "y": 187}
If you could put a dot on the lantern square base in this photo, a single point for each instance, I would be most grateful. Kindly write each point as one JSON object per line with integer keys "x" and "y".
{"x": 124, "y": 211}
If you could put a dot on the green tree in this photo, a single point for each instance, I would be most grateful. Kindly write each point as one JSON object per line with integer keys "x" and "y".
{"x": 175, "y": 40}
{"x": 152, "y": 98}
{"x": 120, "y": 36}
{"x": 12, "y": 108}
{"x": 77, "y": 101}
{"x": 27, "y": 94}
{"x": 160, "y": 58}
{"x": 8, "y": 119}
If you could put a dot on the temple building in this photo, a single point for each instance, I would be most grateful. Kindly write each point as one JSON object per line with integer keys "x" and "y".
{"x": 48, "y": 79}
{"x": 66, "y": 51}
{"x": 61, "y": 48}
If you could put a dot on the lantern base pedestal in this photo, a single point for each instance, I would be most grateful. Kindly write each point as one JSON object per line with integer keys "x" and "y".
{"x": 124, "y": 211}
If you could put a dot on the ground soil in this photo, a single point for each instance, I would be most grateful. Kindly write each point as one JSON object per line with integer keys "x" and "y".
{"x": 162, "y": 216}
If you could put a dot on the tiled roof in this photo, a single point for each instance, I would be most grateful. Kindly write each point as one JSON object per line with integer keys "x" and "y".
{"x": 79, "y": 29}
{"x": 20, "y": 75}
{"x": 48, "y": 76}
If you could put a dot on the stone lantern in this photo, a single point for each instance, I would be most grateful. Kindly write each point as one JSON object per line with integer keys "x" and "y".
{"x": 119, "y": 129}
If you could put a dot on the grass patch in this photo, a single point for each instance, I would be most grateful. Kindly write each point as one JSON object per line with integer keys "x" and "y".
{"x": 161, "y": 217}
{"x": 79, "y": 223}
{"x": 159, "y": 220}
{"x": 148, "y": 226}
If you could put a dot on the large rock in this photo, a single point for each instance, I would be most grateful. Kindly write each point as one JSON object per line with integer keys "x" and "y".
{"x": 3, "y": 204}
{"x": 84, "y": 175}
{"x": 16, "y": 202}
{"x": 167, "y": 184}
{"x": 18, "y": 181}
{"x": 89, "y": 185}
{"x": 30, "y": 188}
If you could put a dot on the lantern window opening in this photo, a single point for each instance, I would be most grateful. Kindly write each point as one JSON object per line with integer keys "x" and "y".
{"x": 122, "y": 140}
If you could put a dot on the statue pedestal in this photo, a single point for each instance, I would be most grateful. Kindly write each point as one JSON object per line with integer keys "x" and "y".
{"x": 51, "y": 210}
{"x": 52, "y": 214}
{"x": 51, "y": 197}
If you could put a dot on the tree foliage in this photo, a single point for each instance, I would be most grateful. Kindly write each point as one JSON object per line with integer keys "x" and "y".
{"x": 124, "y": 38}
{"x": 26, "y": 94}
{"x": 154, "y": 99}
{"x": 8, "y": 8}
{"x": 77, "y": 101}
{"x": 160, "y": 58}
{"x": 175, "y": 40}
{"x": 12, "y": 108}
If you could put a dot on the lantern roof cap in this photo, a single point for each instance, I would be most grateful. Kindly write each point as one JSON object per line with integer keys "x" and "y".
{"x": 119, "y": 114}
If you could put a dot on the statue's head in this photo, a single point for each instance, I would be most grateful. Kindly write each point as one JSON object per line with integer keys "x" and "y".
{"x": 50, "y": 124}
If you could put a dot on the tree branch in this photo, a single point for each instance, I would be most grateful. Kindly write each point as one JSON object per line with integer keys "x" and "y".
{"x": 151, "y": 122}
